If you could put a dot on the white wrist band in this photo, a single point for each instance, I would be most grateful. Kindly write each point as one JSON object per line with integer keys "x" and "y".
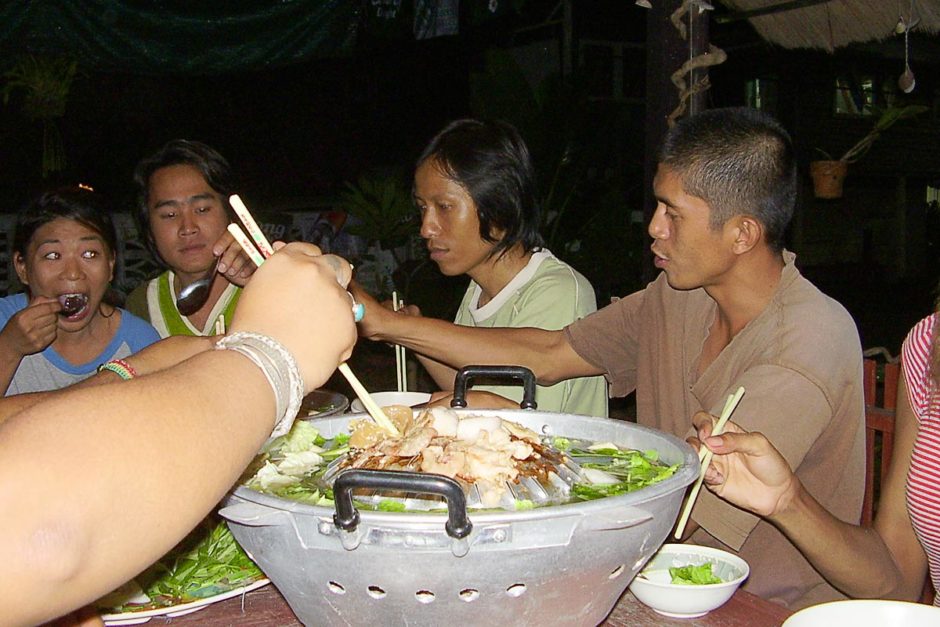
{"x": 279, "y": 368}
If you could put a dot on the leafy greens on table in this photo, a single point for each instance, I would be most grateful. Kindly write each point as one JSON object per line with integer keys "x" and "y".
{"x": 207, "y": 562}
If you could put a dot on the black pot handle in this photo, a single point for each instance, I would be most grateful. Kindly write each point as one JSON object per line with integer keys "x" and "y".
{"x": 347, "y": 516}
{"x": 516, "y": 373}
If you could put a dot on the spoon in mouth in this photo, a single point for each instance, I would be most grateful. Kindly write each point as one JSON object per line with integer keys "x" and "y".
{"x": 194, "y": 296}
{"x": 72, "y": 304}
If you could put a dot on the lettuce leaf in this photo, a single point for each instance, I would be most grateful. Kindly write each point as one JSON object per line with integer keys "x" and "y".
{"x": 694, "y": 575}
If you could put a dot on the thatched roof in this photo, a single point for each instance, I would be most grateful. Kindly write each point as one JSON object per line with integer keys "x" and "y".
{"x": 837, "y": 23}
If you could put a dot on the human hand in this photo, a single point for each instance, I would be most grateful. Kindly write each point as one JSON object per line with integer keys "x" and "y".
{"x": 234, "y": 264}
{"x": 298, "y": 299}
{"x": 34, "y": 327}
{"x": 746, "y": 469}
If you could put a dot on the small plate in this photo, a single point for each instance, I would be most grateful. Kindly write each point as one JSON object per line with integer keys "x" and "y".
{"x": 865, "y": 613}
{"x": 136, "y": 618}
{"x": 322, "y": 403}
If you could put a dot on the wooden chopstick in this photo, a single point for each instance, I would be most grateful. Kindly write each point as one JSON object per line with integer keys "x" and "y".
{"x": 400, "y": 363}
{"x": 730, "y": 405}
{"x": 253, "y": 229}
{"x": 245, "y": 243}
{"x": 371, "y": 406}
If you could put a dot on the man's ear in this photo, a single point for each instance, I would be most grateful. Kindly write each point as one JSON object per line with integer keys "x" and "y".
{"x": 748, "y": 233}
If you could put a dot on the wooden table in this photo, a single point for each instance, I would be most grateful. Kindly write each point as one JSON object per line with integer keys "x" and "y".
{"x": 266, "y": 607}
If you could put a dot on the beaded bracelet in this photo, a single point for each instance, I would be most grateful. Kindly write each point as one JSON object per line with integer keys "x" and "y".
{"x": 119, "y": 367}
{"x": 279, "y": 368}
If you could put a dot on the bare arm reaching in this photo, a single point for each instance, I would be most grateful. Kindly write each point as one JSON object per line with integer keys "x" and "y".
{"x": 159, "y": 355}
{"x": 115, "y": 456}
{"x": 547, "y": 353}
{"x": 882, "y": 561}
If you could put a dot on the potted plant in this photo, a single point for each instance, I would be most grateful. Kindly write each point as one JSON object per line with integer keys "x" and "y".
{"x": 829, "y": 174}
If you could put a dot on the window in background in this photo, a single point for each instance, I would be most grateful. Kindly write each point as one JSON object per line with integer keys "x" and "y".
{"x": 855, "y": 96}
{"x": 761, "y": 93}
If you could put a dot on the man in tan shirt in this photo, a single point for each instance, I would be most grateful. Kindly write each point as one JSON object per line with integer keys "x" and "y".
{"x": 729, "y": 309}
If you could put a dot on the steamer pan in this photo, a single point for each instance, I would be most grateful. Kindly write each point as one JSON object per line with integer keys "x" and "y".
{"x": 558, "y": 565}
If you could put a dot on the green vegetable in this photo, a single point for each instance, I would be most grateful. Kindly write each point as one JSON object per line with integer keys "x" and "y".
{"x": 635, "y": 469}
{"x": 391, "y": 506}
{"x": 694, "y": 575}
{"x": 562, "y": 444}
{"x": 302, "y": 436}
{"x": 207, "y": 562}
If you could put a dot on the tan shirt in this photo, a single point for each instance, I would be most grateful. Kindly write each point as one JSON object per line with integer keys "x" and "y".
{"x": 800, "y": 363}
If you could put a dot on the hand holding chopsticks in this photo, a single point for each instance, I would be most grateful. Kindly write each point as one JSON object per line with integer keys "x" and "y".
{"x": 266, "y": 251}
{"x": 705, "y": 456}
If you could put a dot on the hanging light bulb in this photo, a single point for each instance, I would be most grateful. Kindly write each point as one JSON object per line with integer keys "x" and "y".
{"x": 644, "y": 3}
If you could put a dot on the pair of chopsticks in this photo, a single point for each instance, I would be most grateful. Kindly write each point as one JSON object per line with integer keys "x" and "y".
{"x": 258, "y": 258}
{"x": 705, "y": 456}
{"x": 401, "y": 364}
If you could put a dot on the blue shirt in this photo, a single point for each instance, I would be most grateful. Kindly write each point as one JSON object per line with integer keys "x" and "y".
{"x": 48, "y": 370}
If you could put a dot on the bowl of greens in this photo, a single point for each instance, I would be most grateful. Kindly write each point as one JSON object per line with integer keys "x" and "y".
{"x": 687, "y": 581}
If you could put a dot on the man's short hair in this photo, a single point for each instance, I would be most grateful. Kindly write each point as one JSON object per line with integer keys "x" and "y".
{"x": 739, "y": 161}
{"x": 490, "y": 160}
{"x": 213, "y": 167}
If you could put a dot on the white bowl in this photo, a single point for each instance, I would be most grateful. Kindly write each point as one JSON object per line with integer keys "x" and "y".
{"x": 384, "y": 399}
{"x": 866, "y": 613}
{"x": 652, "y": 586}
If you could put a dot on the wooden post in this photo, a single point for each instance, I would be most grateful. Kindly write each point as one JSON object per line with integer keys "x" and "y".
{"x": 666, "y": 51}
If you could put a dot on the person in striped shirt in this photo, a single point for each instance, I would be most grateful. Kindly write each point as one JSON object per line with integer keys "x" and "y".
{"x": 888, "y": 560}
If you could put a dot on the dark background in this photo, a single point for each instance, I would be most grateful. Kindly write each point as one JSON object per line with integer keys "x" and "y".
{"x": 296, "y": 132}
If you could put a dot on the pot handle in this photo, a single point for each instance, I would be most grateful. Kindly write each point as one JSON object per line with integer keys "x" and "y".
{"x": 252, "y": 515}
{"x": 346, "y": 518}
{"x": 516, "y": 373}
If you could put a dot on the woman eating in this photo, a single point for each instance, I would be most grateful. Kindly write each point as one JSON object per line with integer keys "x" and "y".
{"x": 475, "y": 188}
{"x": 63, "y": 327}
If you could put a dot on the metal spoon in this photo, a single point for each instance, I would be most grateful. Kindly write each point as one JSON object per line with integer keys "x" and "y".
{"x": 194, "y": 296}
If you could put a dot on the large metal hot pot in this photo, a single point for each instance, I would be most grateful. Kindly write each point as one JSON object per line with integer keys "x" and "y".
{"x": 558, "y": 565}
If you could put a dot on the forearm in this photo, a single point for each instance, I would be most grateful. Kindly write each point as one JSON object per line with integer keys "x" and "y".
{"x": 11, "y": 405}
{"x": 156, "y": 357}
{"x": 546, "y": 353}
{"x": 102, "y": 465}
{"x": 853, "y": 559}
{"x": 443, "y": 375}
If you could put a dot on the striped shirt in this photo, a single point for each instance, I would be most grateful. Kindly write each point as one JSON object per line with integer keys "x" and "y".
{"x": 923, "y": 480}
